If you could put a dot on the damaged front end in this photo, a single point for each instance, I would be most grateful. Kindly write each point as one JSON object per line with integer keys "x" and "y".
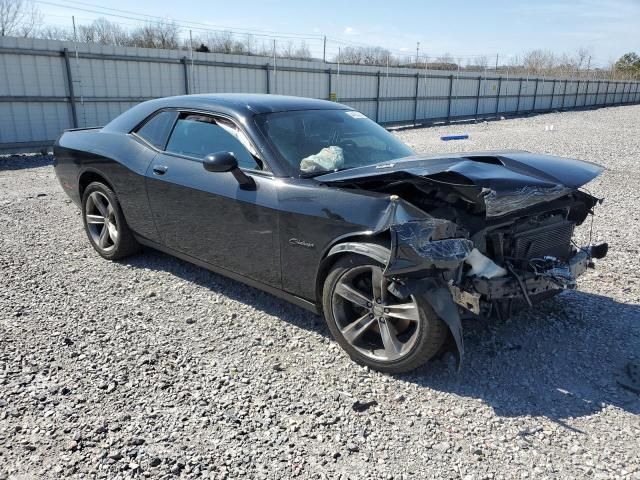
{"x": 473, "y": 242}
{"x": 463, "y": 275}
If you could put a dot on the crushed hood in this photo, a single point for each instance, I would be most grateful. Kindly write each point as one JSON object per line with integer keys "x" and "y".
{"x": 504, "y": 181}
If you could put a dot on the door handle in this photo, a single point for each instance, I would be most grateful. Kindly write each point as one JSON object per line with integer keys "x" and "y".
{"x": 160, "y": 169}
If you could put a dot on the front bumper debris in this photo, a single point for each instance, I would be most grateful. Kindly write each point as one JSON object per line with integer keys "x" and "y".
{"x": 560, "y": 277}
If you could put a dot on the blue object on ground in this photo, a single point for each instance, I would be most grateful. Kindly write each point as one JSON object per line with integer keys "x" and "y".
{"x": 446, "y": 138}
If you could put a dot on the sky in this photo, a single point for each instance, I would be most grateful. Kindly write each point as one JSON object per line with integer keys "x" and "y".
{"x": 461, "y": 28}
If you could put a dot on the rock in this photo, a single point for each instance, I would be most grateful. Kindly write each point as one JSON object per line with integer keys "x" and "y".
{"x": 441, "y": 447}
{"x": 114, "y": 455}
{"x": 576, "y": 450}
{"x": 359, "y": 406}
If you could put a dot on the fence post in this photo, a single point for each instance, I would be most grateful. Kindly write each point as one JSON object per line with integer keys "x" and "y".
{"x": 627, "y": 84}
{"x": 415, "y": 107}
{"x": 564, "y": 94}
{"x": 450, "y": 94}
{"x": 478, "y": 96}
{"x": 629, "y": 93}
{"x": 615, "y": 92}
{"x": 535, "y": 96}
{"x": 267, "y": 68}
{"x": 553, "y": 94}
{"x": 498, "y": 96}
{"x": 186, "y": 75}
{"x": 330, "y": 86}
{"x": 519, "y": 93}
{"x": 586, "y": 94}
{"x": 378, "y": 96}
{"x": 575, "y": 101}
{"x": 72, "y": 97}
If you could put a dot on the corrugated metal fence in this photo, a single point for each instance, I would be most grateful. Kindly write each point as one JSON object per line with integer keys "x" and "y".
{"x": 47, "y": 86}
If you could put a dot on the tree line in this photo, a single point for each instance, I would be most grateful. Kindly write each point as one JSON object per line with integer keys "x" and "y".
{"x": 22, "y": 18}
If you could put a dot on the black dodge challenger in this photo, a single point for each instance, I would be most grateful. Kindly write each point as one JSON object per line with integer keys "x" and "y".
{"x": 312, "y": 201}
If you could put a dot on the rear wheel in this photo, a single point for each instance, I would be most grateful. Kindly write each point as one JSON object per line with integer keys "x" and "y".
{"x": 374, "y": 327}
{"x": 105, "y": 224}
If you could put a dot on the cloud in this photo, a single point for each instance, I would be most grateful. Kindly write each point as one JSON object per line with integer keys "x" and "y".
{"x": 350, "y": 31}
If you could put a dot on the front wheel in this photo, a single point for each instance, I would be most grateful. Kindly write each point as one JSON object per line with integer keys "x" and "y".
{"x": 373, "y": 326}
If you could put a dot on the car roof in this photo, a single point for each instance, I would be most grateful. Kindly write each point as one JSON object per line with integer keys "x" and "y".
{"x": 262, "y": 103}
{"x": 238, "y": 105}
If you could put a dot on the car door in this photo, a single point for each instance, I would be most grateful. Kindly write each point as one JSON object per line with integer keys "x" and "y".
{"x": 207, "y": 215}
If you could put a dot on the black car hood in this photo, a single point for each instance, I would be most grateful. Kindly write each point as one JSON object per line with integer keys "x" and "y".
{"x": 503, "y": 180}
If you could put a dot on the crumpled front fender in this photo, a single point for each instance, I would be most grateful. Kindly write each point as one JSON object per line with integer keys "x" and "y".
{"x": 422, "y": 245}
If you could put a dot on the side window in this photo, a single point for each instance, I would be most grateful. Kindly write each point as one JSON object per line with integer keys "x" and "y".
{"x": 200, "y": 135}
{"x": 157, "y": 129}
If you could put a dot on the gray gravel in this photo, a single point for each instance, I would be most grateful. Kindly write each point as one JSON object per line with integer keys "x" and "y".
{"x": 153, "y": 367}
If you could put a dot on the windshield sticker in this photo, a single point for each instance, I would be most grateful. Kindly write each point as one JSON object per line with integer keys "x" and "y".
{"x": 354, "y": 114}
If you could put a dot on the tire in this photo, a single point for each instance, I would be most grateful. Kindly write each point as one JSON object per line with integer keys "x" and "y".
{"x": 104, "y": 223}
{"x": 412, "y": 319}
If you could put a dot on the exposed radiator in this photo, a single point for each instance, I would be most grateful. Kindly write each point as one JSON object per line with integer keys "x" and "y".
{"x": 553, "y": 239}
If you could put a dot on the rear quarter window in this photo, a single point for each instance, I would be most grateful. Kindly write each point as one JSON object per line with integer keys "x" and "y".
{"x": 156, "y": 130}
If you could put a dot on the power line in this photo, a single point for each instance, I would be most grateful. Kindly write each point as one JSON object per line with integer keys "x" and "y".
{"x": 126, "y": 14}
{"x": 267, "y": 34}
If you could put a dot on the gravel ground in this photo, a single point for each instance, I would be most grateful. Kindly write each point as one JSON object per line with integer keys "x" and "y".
{"x": 155, "y": 368}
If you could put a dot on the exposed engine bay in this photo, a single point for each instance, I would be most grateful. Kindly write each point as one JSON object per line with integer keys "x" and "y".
{"x": 477, "y": 233}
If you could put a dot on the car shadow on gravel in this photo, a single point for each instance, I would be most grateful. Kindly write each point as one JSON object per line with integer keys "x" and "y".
{"x": 558, "y": 361}
{"x": 21, "y": 162}
{"x": 265, "y": 302}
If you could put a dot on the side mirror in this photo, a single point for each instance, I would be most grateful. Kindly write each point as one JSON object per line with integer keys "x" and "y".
{"x": 220, "y": 162}
{"x": 227, "y": 162}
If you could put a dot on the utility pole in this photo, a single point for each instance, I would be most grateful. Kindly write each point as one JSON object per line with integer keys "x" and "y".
{"x": 417, "y": 53}
{"x": 497, "y": 55}
{"x": 324, "y": 49}
{"x": 192, "y": 89}
{"x": 338, "y": 74}
{"x": 275, "y": 85}
{"x": 75, "y": 45}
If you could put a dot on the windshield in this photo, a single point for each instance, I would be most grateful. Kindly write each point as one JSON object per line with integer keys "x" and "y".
{"x": 320, "y": 141}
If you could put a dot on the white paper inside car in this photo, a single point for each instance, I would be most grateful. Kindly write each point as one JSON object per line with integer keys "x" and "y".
{"x": 326, "y": 160}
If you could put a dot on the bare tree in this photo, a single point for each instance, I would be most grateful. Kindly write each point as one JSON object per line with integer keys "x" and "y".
{"x": 19, "y": 18}
{"x": 350, "y": 55}
{"x": 104, "y": 32}
{"x": 366, "y": 56}
{"x": 478, "y": 63}
{"x": 50, "y": 32}
{"x": 161, "y": 34}
{"x": 581, "y": 58}
{"x": 225, "y": 42}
